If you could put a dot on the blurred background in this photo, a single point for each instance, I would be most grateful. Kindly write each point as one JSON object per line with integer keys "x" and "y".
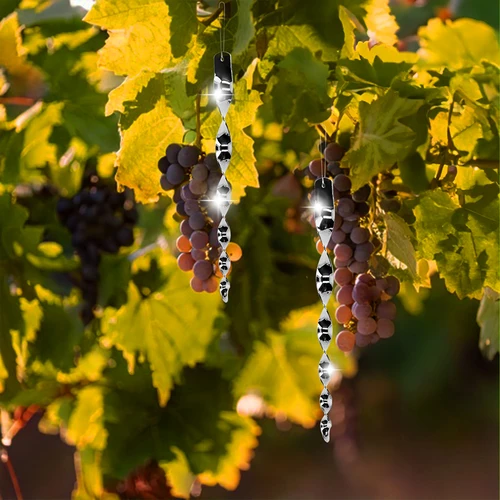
{"x": 419, "y": 420}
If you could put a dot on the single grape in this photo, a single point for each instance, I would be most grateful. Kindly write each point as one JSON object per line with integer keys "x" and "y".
{"x": 186, "y": 193}
{"x": 165, "y": 185}
{"x": 163, "y": 164}
{"x": 180, "y": 209}
{"x": 183, "y": 244}
{"x": 234, "y": 252}
{"x": 337, "y": 223}
{"x": 362, "y": 340}
{"x": 185, "y": 262}
{"x": 198, "y": 254}
{"x": 348, "y": 226}
{"x": 362, "y": 209}
{"x": 198, "y": 187}
{"x": 343, "y": 314}
{"x": 200, "y": 172}
{"x": 211, "y": 285}
{"x": 338, "y": 236}
{"x": 360, "y": 235}
{"x": 366, "y": 326}
{"x": 366, "y": 278}
{"x": 342, "y": 276}
{"x": 374, "y": 338}
{"x": 376, "y": 293}
{"x": 203, "y": 269}
{"x": 342, "y": 183}
{"x": 316, "y": 168}
{"x": 334, "y": 152}
{"x": 363, "y": 252}
{"x": 345, "y": 207}
{"x": 211, "y": 162}
{"x": 358, "y": 267}
{"x": 362, "y": 194}
{"x": 177, "y": 195}
{"x": 385, "y": 328}
{"x": 360, "y": 311}
{"x": 334, "y": 168}
{"x": 175, "y": 174}
{"x": 197, "y": 284}
{"x": 172, "y": 151}
{"x": 188, "y": 156}
{"x": 382, "y": 284}
{"x": 344, "y": 295}
{"x": 361, "y": 293}
{"x": 340, "y": 263}
{"x": 386, "y": 310}
{"x": 345, "y": 341}
{"x": 197, "y": 221}
{"x": 191, "y": 206}
{"x": 199, "y": 240}
{"x": 393, "y": 286}
{"x": 213, "y": 238}
{"x": 343, "y": 252}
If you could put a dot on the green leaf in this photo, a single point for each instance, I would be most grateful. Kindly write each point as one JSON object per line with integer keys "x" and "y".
{"x": 146, "y": 130}
{"x": 381, "y": 139}
{"x": 488, "y": 319}
{"x": 8, "y": 6}
{"x": 184, "y": 24}
{"x": 399, "y": 242}
{"x": 159, "y": 341}
{"x": 242, "y": 171}
{"x": 457, "y": 44}
{"x": 282, "y": 370}
{"x": 462, "y": 240}
{"x": 245, "y": 30}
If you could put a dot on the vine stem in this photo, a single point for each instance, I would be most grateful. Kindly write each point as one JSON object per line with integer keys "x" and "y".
{"x": 210, "y": 19}
{"x": 198, "y": 121}
{"x": 12, "y": 473}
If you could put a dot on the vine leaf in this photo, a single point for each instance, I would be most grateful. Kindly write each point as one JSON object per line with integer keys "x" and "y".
{"x": 381, "y": 139}
{"x": 159, "y": 341}
{"x": 184, "y": 24}
{"x": 399, "y": 242}
{"x": 457, "y": 44}
{"x": 380, "y": 23}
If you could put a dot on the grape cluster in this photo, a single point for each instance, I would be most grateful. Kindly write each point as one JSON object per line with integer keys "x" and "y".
{"x": 100, "y": 219}
{"x": 365, "y": 308}
{"x": 194, "y": 178}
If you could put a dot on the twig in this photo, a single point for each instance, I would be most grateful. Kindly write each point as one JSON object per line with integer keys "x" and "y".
{"x": 210, "y": 19}
{"x": 12, "y": 474}
{"x": 198, "y": 120}
{"x": 18, "y": 101}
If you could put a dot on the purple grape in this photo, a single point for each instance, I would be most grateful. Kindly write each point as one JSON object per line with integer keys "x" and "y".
{"x": 186, "y": 229}
{"x": 342, "y": 276}
{"x": 343, "y": 252}
{"x": 186, "y": 193}
{"x": 211, "y": 162}
{"x": 177, "y": 195}
{"x": 361, "y": 310}
{"x": 200, "y": 172}
{"x": 334, "y": 168}
{"x": 362, "y": 194}
{"x": 172, "y": 151}
{"x": 363, "y": 252}
{"x": 197, "y": 221}
{"x": 191, "y": 206}
{"x": 393, "y": 286}
{"x": 366, "y": 278}
{"x": 385, "y": 328}
{"x": 203, "y": 269}
{"x": 175, "y": 174}
{"x": 345, "y": 207}
{"x": 334, "y": 152}
{"x": 366, "y": 326}
{"x": 188, "y": 156}
{"x": 362, "y": 209}
{"x": 337, "y": 237}
{"x": 165, "y": 185}
{"x": 199, "y": 240}
{"x": 342, "y": 183}
{"x": 198, "y": 254}
{"x": 163, "y": 164}
{"x": 344, "y": 295}
{"x": 180, "y": 209}
{"x": 358, "y": 267}
{"x": 361, "y": 293}
{"x": 362, "y": 340}
{"x": 337, "y": 223}
{"x": 348, "y": 226}
{"x": 316, "y": 167}
{"x": 198, "y": 187}
{"x": 360, "y": 235}
{"x": 340, "y": 263}
{"x": 386, "y": 310}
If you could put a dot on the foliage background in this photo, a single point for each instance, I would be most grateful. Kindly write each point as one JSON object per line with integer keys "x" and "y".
{"x": 420, "y": 417}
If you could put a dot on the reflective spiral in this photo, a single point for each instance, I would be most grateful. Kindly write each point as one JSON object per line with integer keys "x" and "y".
{"x": 324, "y": 215}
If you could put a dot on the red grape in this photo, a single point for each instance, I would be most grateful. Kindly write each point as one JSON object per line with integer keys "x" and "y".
{"x": 386, "y": 310}
{"x": 361, "y": 293}
{"x": 197, "y": 284}
{"x": 199, "y": 240}
{"x": 345, "y": 341}
{"x": 343, "y": 314}
{"x": 360, "y": 235}
{"x": 360, "y": 311}
{"x": 343, "y": 251}
{"x": 366, "y": 326}
{"x": 344, "y": 295}
{"x": 203, "y": 269}
{"x": 385, "y": 328}
{"x": 342, "y": 276}
{"x": 185, "y": 262}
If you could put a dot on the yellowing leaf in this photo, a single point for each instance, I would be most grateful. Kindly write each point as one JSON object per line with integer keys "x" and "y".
{"x": 381, "y": 24}
{"x": 488, "y": 319}
{"x": 139, "y": 327}
{"x": 457, "y": 44}
{"x": 139, "y": 35}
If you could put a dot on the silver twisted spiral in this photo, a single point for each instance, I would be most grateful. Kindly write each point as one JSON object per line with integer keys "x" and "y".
{"x": 324, "y": 215}
{"x": 223, "y": 91}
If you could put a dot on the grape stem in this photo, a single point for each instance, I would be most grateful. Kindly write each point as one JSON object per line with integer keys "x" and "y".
{"x": 210, "y": 19}
{"x": 12, "y": 473}
{"x": 198, "y": 121}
